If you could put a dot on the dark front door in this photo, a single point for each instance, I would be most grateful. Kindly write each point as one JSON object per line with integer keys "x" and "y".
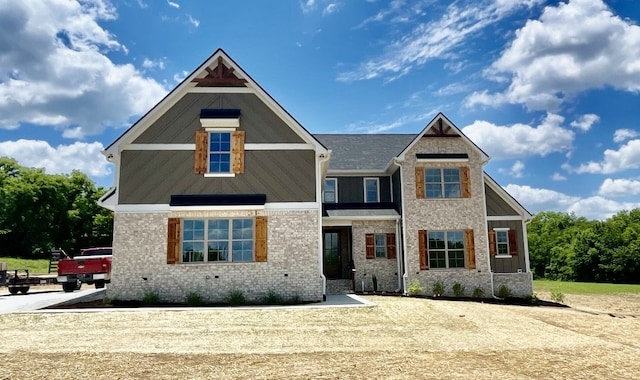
{"x": 331, "y": 259}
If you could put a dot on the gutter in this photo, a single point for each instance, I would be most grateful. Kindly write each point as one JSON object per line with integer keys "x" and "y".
{"x": 402, "y": 283}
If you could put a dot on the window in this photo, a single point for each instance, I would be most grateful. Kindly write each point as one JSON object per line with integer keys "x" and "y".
{"x": 381, "y": 246}
{"x": 330, "y": 190}
{"x": 219, "y": 152}
{"x": 502, "y": 242}
{"x": 442, "y": 183}
{"x": 371, "y": 190}
{"x": 217, "y": 240}
{"x": 446, "y": 249}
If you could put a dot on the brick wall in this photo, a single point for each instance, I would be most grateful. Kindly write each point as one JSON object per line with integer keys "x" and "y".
{"x": 386, "y": 270}
{"x": 140, "y": 249}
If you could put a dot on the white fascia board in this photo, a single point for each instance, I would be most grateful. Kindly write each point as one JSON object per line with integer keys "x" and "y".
{"x": 356, "y": 173}
{"x": 494, "y": 218}
{"x": 141, "y": 208}
{"x": 159, "y": 147}
{"x": 111, "y": 199}
{"x": 293, "y": 206}
{"x": 361, "y": 218}
{"x": 233, "y": 122}
{"x": 506, "y": 196}
{"x": 282, "y": 146}
{"x": 329, "y": 222}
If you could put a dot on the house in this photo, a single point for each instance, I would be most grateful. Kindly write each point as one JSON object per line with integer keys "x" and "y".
{"x": 219, "y": 189}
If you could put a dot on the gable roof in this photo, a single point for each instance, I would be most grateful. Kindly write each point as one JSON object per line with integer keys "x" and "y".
{"x": 365, "y": 152}
{"x": 218, "y": 70}
{"x": 504, "y": 194}
{"x": 441, "y": 125}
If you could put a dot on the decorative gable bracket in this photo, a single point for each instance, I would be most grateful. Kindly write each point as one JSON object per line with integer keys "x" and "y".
{"x": 220, "y": 76}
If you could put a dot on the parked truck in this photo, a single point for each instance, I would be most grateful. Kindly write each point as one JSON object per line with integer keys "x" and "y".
{"x": 92, "y": 266}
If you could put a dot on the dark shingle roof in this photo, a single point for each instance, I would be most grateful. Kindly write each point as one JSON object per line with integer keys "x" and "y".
{"x": 363, "y": 152}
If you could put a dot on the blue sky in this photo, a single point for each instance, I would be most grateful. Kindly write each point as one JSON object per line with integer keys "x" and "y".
{"x": 549, "y": 89}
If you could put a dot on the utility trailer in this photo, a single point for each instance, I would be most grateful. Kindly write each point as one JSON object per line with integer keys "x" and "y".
{"x": 19, "y": 280}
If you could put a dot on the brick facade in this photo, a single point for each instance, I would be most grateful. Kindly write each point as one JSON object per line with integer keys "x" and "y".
{"x": 385, "y": 270}
{"x": 140, "y": 250}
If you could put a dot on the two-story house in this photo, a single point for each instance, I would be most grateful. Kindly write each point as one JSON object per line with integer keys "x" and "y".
{"x": 219, "y": 189}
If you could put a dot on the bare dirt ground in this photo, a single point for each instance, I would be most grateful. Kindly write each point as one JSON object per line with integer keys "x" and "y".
{"x": 401, "y": 338}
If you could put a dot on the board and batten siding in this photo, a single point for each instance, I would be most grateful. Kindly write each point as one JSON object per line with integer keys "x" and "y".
{"x": 151, "y": 177}
{"x": 179, "y": 124}
{"x": 351, "y": 189}
{"x": 496, "y": 206}
{"x": 515, "y": 262}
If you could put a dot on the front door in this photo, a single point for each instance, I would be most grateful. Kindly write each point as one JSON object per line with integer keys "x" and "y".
{"x": 331, "y": 258}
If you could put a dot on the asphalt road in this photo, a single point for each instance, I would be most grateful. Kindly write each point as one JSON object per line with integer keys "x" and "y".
{"x": 38, "y": 299}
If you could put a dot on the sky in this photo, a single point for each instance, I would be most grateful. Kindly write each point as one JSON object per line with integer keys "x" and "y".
{"x": 549, "y": 89}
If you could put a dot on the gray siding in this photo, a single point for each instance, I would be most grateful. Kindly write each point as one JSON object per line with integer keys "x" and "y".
{"x": 396, "y": 187}
{"x": 496, "y": 206}
{"x": 351, "y": 189}
{"x": 178, "y": 124}
{"x": 151, "y": 177}
{"x": 509, "y": 265}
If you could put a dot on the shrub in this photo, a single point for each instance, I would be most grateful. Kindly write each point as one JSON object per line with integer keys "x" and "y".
{"x": 557, "y": 296}
{"x": 438, "y": 288}
{"x": 458, "y": 289}
{"x": 272, "y": 298}
{"x": 194, "y": 299}
{"x": 236, "y": 297}
{"x": 150, "y": 298}
{"x": 478, "y": 293}
{"x": 415, "y": 288}
{"x": 294, "y": 300}
{"x": 532, "y": 299}
{"x": 504, "y": 291}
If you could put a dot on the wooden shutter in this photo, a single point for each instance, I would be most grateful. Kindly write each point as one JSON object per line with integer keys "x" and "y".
{"x": 470, "y": 249}
{"x": 370, "y": 246}
{"x": 492, "y": 243}
{"x": 201, "y": 157}
{"x": 173, "y": 241}
{"x": 423, "y": 250}
{"x": 391, "y": 246}
{"x": 420, "y": 183}
{"x": 237, "y": 152}
{"x": 513, "y": 242}
{"x": 261, "y": 239}
{"x": 465, "y": 182}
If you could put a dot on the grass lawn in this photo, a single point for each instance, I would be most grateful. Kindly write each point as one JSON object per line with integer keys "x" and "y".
{"x": 40, "y": 266}
{"x": 583, "y": 287}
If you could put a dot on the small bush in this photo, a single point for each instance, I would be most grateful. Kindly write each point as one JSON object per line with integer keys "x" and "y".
{"x": 194, "y": 299}
{"x": 272, "y": 298}
{"x": 557, "y": 296}
{"x": 504, "y": 291}
{"x": 438, "y": 288}
{"x": 150, "y": 298}
{"x": 478, "y": 293}
{"x": 532, "y": 299}
{"x": 294, "y": 300}
{"x": 236, "y": 297}
{"x": 415, "y": 287}
{"x": 458, "y": 289}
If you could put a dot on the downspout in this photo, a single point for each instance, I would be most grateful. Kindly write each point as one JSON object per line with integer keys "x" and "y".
{"x": 398, "y": 255}
{"x": 403, "y": 264}
{"x": 525, "y": 240}
{"x": 321, "y": 159}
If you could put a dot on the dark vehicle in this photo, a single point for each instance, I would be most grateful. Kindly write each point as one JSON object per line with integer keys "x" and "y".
{"x": 91, "y": 266}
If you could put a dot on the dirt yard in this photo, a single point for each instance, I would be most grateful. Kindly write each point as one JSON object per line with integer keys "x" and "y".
{"x": 401, "y": 338}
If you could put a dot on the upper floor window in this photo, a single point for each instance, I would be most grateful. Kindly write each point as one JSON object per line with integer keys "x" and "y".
{"x": 330, "y": 190}
{"x": 219, "y": 152}
{"x": 442, "y": 183}
{"x": 371, "y": 190}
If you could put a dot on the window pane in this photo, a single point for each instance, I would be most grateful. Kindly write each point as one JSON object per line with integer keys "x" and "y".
{"x": 501, "y": 236}
{"x": 436, "y": 240}
{"x": 218, "y": 230}
{"x": 218, "y": 251}
{"x": 242, "y": 250}
{"x": 381, "y": 245}
{"x": 243, "y": 229}
{"x": 371, "y": 194}
{"x": 432, "y": 175}
{"x": 193, "y": 230}
{"x": 452, "y": 190}
{"x": 192, "y": 252}
{"x": 437, "y": 259}
{"x": 330, "y": 190}
{"x": 434, "y": 191}
{"x": 454, "y": 240}
{"x": 451, "y": 175}
{"x": 456, "y": 259}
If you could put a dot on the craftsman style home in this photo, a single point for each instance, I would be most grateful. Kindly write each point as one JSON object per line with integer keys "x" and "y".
{"x": 218, "y": 189}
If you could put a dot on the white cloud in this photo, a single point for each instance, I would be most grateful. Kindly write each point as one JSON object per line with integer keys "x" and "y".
{"x": 153, "y": 64}
{"x": 516, "y": 169}
{"x": 573, "y": 47}
{"x": 62, "y": 159}
{"x": 558, "y": 177}
{"x": 521, "y": 140}
{"x": 596, "y": 207}
{"x": 307, "y": 6}
{"x": 621, "y": 135}
{"x": 433, "y": 38}
{"x": 193, "y": 21}
{"x": 54, "y": 71}
{"x": 172, "y": 4}
{"x": 179, "y": 77}
{"x": 585, "y": 122}
{"x": 625, "y": 158}
{"x": 378, "y": 127}
{"x": 330, "y": 8}
{"x": 619, "y": 187}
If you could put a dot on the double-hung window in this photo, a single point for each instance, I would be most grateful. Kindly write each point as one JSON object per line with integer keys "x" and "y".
{"x": 219, "y": 152}
{"x": 446, "y": 249}
{"x": 380, "y": 246}
{"x": 330, "y": 190}
{"x": 371, "y": 190}
{"x": 217, "y": 240}
{"x": 219, "y": 145}
{"x": 442, "y": 183}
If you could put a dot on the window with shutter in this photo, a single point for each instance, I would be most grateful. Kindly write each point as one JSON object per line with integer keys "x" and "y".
{"x": 219, "y": 152}
{"x": 503, "y": 242}
{"x": 443, "y": 183}
{"x": 391, "y": 246}
{"x": 470, "y": 250}
{"x": 261, "y": 238}
{"x": 422, "y": 249}
{"x": 370, "y": 246}
{"x": 173, "y": 241}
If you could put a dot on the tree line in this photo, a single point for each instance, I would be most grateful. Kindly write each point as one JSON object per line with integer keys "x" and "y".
{"x": 40, "y": 212}
{"x": 566, "y": 247}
